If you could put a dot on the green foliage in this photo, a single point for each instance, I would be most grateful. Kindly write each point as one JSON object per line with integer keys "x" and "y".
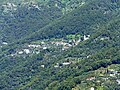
{"x": 98, "y": 18}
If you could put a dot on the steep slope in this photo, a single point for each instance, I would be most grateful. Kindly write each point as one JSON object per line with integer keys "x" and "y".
{"x": 84, "y": 20}
{"x": 19, "y": 20}
{"x": 23, "y": 17}
{"x": 68, "y": 69}
{"x": 102, "y": 49}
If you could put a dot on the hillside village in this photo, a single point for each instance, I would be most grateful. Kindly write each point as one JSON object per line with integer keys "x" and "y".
{"x": 59, "y": 45}
{"x": 52, "y": 45}
{"x": 97, "y": 79}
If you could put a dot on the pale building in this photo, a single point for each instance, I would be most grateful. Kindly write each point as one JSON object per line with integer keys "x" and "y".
{"x": 66, "y": 63}
{"x": 92, "y": 88}
{"x": 27, "y": 51}
{"x": 20, "y": 52}
{"x": 5, "y": 43}
{"x": 43, "y": 66}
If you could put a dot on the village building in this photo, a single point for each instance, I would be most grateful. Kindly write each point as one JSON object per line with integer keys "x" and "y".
{"x": 43, "y": 66}
{"x": 86, "y": 37}
{"x": 66, "y": 63}
{"x": 27, "y": 51}
{"x": 34, "y": 46}
{"x": 20, "y": 52}
{"x": 118, "y": 81}
{"x": 92, "y": 88}
{"x": 91, "y": 78}
{"x": 4, "y": 43}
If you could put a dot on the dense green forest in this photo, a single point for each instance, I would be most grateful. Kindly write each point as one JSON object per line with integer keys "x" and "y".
{"x": 20, "y": 18}
{"x": 60, "y": 45}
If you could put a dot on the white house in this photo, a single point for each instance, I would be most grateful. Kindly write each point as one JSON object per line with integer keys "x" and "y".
{"x": 66, "y": 63}
{"x": 5, "y": 43}
{"x": 20, "y": 52}
{"x": 56, "y": 66}
{"x": 27, "y": 51}
{"x": 33, "y": 46}
{"x": 44, "y": 48}
{"x": 42, "y": 66}
{"x": 86, "y": 37}
{"x": 118, "y": 81}
{"x": 92, "y": 88}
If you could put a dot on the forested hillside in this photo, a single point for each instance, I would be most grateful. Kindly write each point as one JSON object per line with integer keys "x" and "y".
{"x": 23, "y": 17}
{"x": 71, "y": 45}
{"x": 84, "y": 20}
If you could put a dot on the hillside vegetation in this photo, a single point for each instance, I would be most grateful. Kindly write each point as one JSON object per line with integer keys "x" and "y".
{"x": 75, "y": 50}
{"x": 23, "y": 17}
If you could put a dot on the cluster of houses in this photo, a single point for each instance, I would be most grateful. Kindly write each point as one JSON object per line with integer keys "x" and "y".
{"x": 107, "y": 74}
{"x": 113, "y": 73}
{"x": 36, "y": 48}
{"x": 33, "y": 5}
{"x": 59, "y": 65}
{"x": 21, "y": 52}
{"x": 9, "y": 6}
{"x": 62, "y": 64}
{"x": 102, "y": 38}
{"x": 90, "y": 78}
